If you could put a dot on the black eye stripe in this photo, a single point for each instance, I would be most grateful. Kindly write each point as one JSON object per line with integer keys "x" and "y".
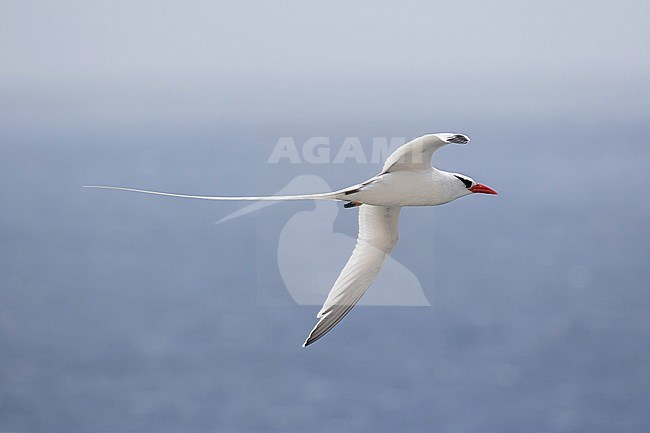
{"x": 468, "y": 183}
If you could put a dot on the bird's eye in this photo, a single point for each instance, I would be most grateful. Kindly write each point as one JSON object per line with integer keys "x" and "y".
{"x": 467, "y": 182}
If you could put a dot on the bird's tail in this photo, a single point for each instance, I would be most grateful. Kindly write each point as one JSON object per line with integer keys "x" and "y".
{"x": 335, "y": 195}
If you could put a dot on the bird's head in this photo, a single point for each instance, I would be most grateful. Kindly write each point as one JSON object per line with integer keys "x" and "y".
{"x": 464, "y": 185}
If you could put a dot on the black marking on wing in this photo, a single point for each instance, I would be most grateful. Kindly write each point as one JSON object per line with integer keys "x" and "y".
{"x": 352, "y": 191}
{"x": 360, "y": 187}
{"x": 351, "y": 204}
{"x": 458, "y": 139}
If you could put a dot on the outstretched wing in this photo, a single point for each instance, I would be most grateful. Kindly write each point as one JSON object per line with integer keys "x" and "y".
{"x": 417, "y": 153}
{"x": 377, "y": 237}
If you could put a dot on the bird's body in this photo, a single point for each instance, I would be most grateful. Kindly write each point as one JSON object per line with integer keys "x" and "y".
{"x": 407, "y": 179}
{"x": 406, "y": 188}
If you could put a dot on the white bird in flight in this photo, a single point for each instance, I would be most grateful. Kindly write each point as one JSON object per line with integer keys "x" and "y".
{"x": 407, "y": 179}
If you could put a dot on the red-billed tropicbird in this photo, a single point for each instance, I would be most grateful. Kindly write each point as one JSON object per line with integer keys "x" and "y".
{"x": 407, "y": 179}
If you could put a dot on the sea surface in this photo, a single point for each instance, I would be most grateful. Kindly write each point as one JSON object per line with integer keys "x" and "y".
{"x": 125, "y": 312}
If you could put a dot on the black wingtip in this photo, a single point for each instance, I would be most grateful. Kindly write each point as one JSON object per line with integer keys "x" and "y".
{"x": 458, "y": 139}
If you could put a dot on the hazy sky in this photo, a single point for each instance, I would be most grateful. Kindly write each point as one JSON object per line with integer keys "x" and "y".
{"x": 216, "y": 60}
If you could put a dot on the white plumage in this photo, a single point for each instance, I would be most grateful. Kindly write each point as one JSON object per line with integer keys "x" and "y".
{"x": 407, "y": 179}
{"x": 377, "y": 237}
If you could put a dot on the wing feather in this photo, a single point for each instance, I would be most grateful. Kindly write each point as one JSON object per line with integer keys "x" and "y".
{"x": 377, "y": 237}
{"x": 417, "y": 153}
